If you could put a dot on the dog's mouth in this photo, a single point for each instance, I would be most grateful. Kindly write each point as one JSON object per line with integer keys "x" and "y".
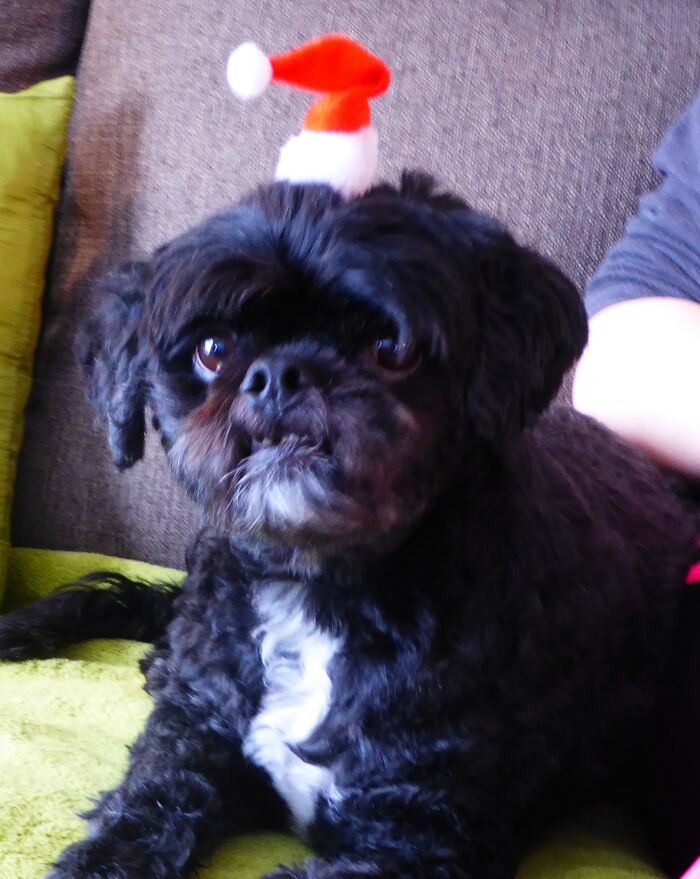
{"x": 284, "y": 486}
{"x": 285, "y": 443}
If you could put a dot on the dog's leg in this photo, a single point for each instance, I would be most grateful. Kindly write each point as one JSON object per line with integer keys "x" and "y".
{"x": 671, "y": 783}
{"x": 408, "y": 831}
{"x": 98, "y": 606}
{"x": 187, "y": 785}
{"x": 378, "y": 867}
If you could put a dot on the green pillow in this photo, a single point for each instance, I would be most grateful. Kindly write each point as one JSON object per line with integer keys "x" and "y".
{"x": 33, "y": 126}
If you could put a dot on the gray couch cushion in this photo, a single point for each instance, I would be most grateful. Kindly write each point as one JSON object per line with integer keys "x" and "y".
{"x": 39, "y": 39}
{"x": 544, "y": 113}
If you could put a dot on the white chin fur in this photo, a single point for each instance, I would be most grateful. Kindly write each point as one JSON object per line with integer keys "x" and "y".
{"x": 266, "y": 499}
{"x": 346, "y": 161}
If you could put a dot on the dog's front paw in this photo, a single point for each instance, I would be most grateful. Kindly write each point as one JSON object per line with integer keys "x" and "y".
{"x": 287, "y": 873}
{"x": 18, "y": 640}
{"x": 92, "y": 859}
{"x": 317, "y": 868}
{"x": 80, "y": 861}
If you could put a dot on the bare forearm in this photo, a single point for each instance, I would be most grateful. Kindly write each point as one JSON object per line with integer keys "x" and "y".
{"x": 640, "y": 375}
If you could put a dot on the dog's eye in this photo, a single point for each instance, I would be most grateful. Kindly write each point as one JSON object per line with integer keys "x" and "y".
{"x": 394, "y": 357}
{"x": 211, "y": 354}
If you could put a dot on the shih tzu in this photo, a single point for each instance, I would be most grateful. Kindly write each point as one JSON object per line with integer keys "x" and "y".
{"x": 426, "y": 612}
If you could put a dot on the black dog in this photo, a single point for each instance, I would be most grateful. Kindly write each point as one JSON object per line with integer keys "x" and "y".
{"x": 421, "y": 617}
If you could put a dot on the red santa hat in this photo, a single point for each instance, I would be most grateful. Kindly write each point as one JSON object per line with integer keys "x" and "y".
{"x": 338, "y": 144}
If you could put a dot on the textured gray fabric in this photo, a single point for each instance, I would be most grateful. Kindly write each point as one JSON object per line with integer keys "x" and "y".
{"x": 544, "y": 112}
{"x": 39, "y": 39}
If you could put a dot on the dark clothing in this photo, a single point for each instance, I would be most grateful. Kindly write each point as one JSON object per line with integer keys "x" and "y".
{"x": 659, "y": 255}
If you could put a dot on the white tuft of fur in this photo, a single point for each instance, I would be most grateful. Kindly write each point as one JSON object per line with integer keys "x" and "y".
{"x": 267, "y": 498}
{"x": 287, "y": 504}
{"x": 347, "y": 161}
{"x": 282, "y": 488}
{"x": 249, "y": 71}
{"x": 296, "y": 654}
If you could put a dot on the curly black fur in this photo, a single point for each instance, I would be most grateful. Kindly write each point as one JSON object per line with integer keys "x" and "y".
{"x": 100, "y": 605}
{"x": 670, "y": 777}
{"x": 487, "y": 594}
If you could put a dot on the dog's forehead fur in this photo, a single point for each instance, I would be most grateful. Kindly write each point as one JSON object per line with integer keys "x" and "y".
{"x": 392, "y": 254}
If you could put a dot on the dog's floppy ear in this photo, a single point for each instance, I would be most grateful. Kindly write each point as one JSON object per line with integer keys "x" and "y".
{"x": 532, "y": 327}
{"x": 112, "y": 356}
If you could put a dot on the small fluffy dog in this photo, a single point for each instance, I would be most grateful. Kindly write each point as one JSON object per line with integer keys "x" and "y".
{"x": 424, "y": 613}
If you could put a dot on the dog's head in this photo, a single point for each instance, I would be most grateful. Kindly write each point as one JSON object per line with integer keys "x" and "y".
{"x": 319, "y": 369}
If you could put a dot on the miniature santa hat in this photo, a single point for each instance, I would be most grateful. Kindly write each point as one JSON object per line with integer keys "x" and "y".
{"x": 338, "y": 144}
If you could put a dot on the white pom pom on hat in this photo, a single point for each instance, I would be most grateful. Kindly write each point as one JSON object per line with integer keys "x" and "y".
{"x": 249, "y": 71}
{"x": 338, "y": 144}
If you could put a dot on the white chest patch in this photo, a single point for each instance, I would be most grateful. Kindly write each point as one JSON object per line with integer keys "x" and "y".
{"x": 296, "y": 655}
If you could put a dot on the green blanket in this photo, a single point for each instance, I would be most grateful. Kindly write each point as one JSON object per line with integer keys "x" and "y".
{"x": 65, "y": 725}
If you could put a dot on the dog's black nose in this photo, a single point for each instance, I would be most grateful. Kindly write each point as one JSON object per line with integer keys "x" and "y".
{"x": 276, "y": 379}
